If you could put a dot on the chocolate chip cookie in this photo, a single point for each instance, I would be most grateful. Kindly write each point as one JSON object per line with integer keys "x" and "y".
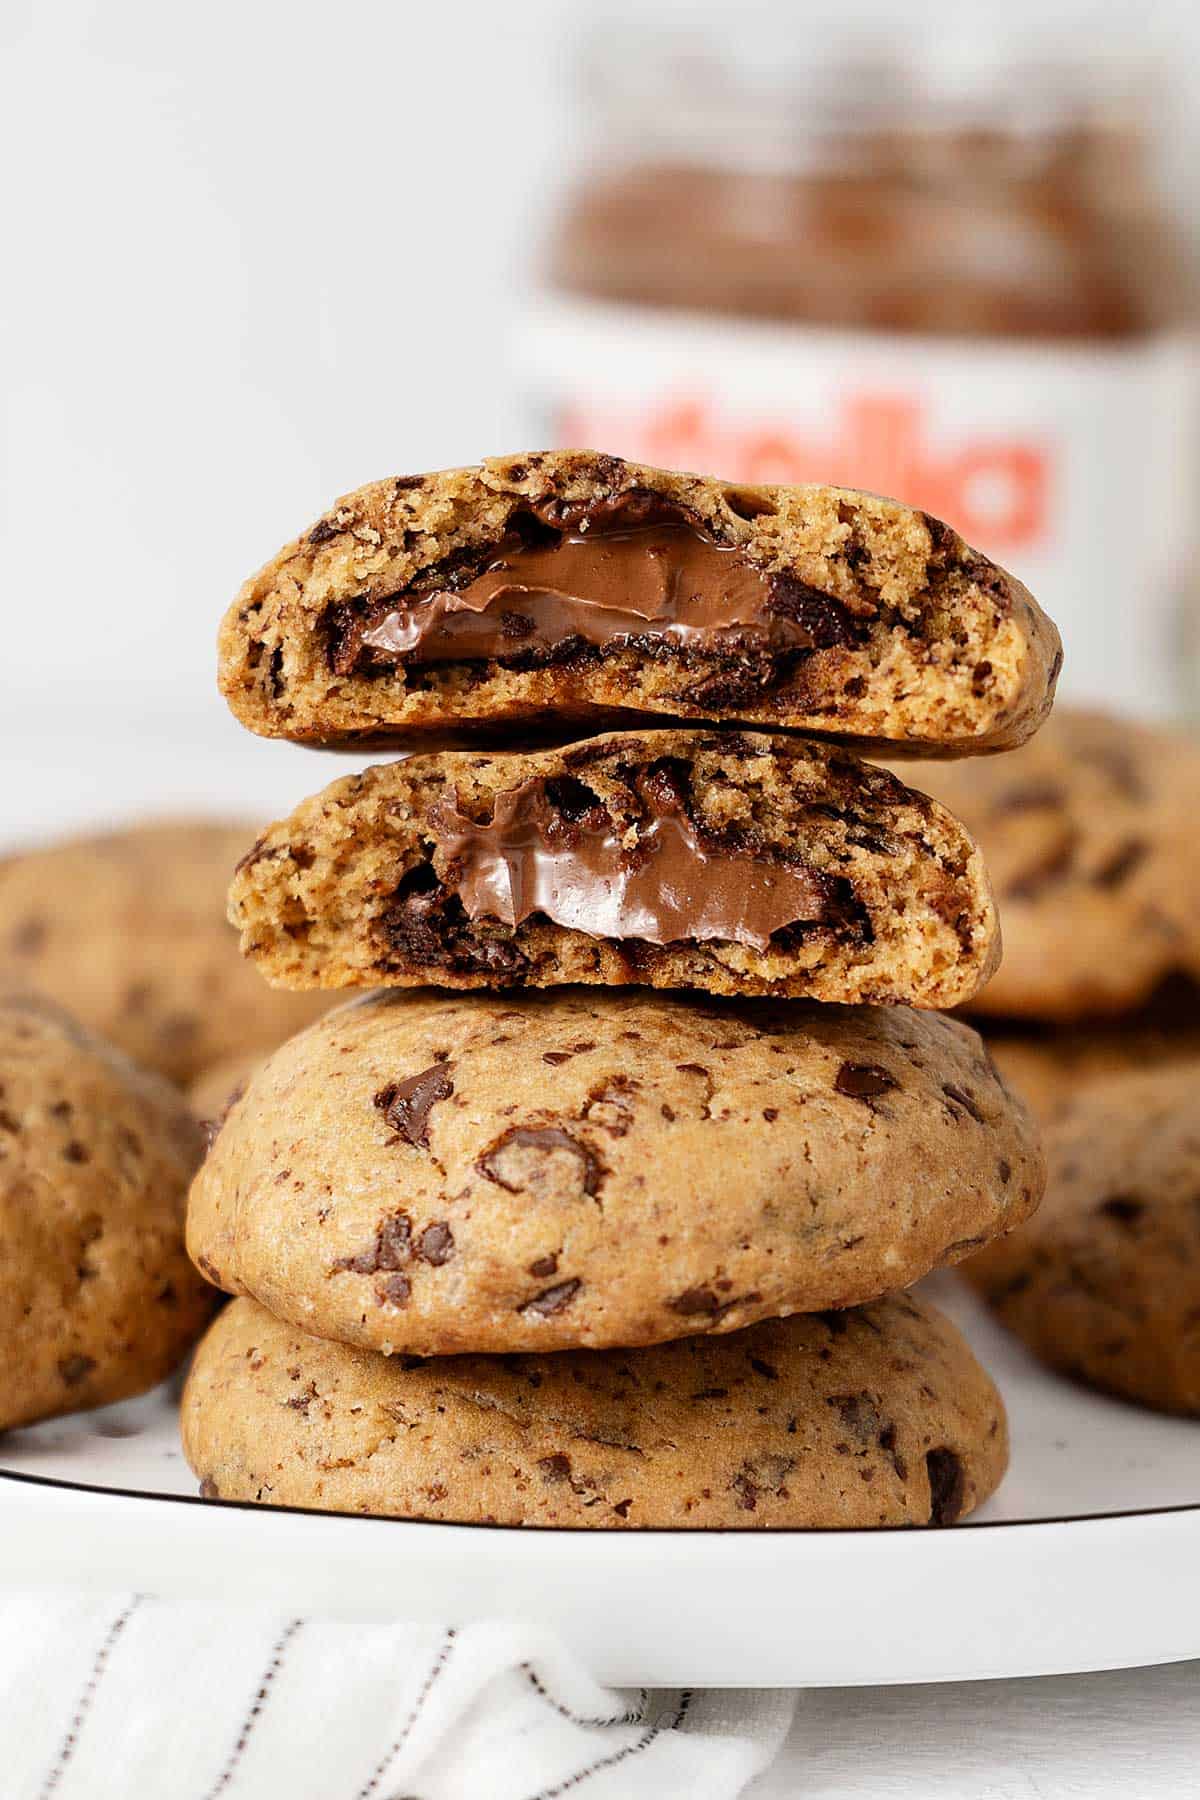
{"x": 573, "y": 586}
{"x": 1049, "y": 1068}
{"x": 97, "y": 1298}
{"x": 434, "y": 1174}
{"x": 1104, "y": 1284}
{"x": 128, "y": 930}
{"x": 1090, "y": 836}
{"x": 879, "y": 1416}
{"x": 731, "y": 862}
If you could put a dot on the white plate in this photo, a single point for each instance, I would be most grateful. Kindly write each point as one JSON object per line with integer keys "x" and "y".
{"x": 1088, "y": 1558}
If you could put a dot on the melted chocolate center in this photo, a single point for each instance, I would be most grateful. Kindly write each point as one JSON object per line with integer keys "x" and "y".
{"x": 606, "y": 573}
{"x": 670, "y": 887}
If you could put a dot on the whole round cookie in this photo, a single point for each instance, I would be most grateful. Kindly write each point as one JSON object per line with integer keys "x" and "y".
{"x": 877, "y": 1416}
{"x": 97, "y": 1297}
{"x": 128, "y": 929}
{"x": 436, "y": 1173}
{"x": 1089, "y": 834}
{"x": 1104, "y": 1284}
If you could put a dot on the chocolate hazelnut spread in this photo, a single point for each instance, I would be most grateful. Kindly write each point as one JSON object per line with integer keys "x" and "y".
{"x": 614, "y": 572}
{"x": 669, "y": 887}
{"x": 955, "y": 280}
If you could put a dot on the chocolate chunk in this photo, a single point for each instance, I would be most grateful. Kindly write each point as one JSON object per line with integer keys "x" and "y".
{"x": 544, "y": 1265}
{"x": 406, "y": 1104}
{"x": 73, "y": 1369}
{"x": 863, "y": 1081}
{"x": 395, "y": 1290}
{"x": 391, "y": 1249}
{"x": 552, "y": 1299}
{"x": 1123, "y": 1208}
{"x": 697, "y": 1300}
{"x": 822, "y": 620}
{"x": 436, "y": 1244}
{"x": 556, "y": 1467}
{"x": 947, "y": 1485}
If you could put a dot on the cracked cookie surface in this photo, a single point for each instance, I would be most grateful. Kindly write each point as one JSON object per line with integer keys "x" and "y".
{"x": 877, "y": 1416}
{"x": 434, "y": 1173}
{"x": 98, "y": 1300}
{"x": 734, "y": 863}
{"x": 854, "y": 616}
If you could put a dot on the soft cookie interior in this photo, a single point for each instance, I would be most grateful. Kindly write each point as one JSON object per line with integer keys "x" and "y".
{"x": 730, "y": 862}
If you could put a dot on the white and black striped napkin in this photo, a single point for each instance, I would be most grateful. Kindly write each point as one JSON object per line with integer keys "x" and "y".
{"x": 132, "y": 1697}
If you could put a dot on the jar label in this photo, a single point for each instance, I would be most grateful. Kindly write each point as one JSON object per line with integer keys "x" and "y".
{"x": 1075, "y": 466}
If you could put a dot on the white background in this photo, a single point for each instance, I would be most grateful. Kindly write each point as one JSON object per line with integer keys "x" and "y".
{"x": 255, "y": 254}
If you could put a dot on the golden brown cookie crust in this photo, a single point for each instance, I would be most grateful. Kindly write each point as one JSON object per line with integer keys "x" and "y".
{"x": 433, "y": 1174}
{"x": 866, "y": 1418}
{"x": 128, "y": 930}
{"x": 1090, "y": 836}
{"x": 1104, "y": 1284}
{"x": 957, "y": 655}
{"x": 356, "y": 890}
{"x": 97, "y": 1298}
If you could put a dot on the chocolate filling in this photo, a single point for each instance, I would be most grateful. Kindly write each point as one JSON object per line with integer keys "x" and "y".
{"x": 632, "y": 571}
{"x": 661, "y": 882}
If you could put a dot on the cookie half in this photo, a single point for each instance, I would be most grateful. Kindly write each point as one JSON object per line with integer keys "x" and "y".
{"x": 735, "y": 863}
{"x": 1104, "y": 1284}
{"x": 98, "y": 1300}
{"x": 865, "y": 1418}
{"x": 128, "y": 930}
{"x": 434, "y": 1174}
{"x": 574, "y": 586}
{"x": 1090, "y": 836}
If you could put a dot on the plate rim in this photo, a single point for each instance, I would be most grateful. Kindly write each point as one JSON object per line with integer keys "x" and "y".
{"x": 824, "y": 1532}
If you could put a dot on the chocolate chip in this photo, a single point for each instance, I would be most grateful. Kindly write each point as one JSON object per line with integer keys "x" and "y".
{"x": 73, "y": 1369}
{"x": 322, "y": 531}
{"x": 556, "y": 1057}
{"x": 395, "y": 1290}
{"x": 825, "y": 620}
{"x": 552, "y": 1299}
{"x": 406, "y": 1105}
{"x": 436, "y": 1244}
{"x": 1123, "y": 1208}
{"x": 391, "y": 1249}
{"x": 555, "y": 1468}
{"x": 863, "y": 1081}
{"x": 1121, "y": 864}
{"x": 696, "y": 1300}
{"x": 746, "y": 1491}
{"x": 209, "y": 1489}
{"x": 947, "y": 1485}
{"x": 622, "y": 1508}
{"x": 545, "y": 1265}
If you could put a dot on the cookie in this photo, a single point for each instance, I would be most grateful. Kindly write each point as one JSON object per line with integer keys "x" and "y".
{"x": 98, "y": 1300}
{"x": 574, "y": 586}
{"x": 1090, "y": 836}
{"x": 128, "y": 930}
{"x": 1104, "y": 1284}
{"x": 734, "y": 863}
{"x": 432, "y": 1174}
{"x": 1049, "y": 1068}
{"x": 874, "y": 1417}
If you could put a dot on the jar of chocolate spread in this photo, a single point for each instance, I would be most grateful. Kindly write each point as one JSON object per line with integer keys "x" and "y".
{"x": 961, "y": 288}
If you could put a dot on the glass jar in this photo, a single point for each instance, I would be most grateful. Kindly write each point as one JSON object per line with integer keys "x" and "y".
{"x": 957, "y": 285}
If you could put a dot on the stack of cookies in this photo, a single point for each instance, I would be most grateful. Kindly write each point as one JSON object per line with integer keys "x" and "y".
{"x": 611, "y": 1221}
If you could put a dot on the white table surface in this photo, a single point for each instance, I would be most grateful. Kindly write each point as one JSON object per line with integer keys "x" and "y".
{"x": 1127, "y": 1735}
